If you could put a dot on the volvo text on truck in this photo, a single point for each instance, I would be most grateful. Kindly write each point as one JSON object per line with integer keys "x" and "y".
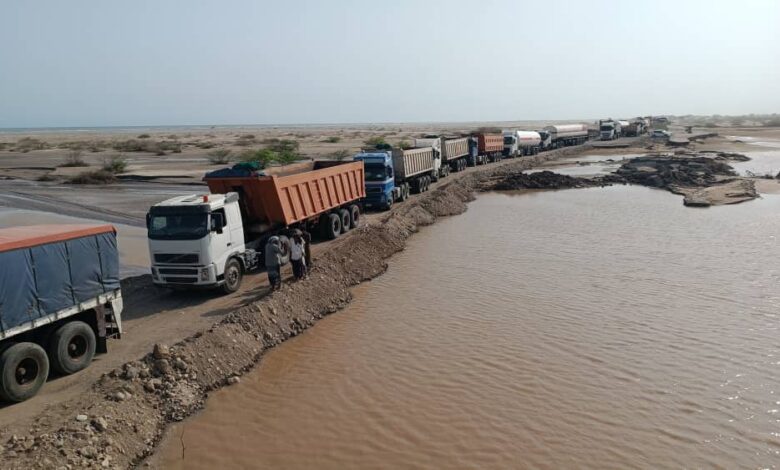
{"x": 211, "y": 240}
{"x": 392, "y": 174}
{"x": 60, "y": 300}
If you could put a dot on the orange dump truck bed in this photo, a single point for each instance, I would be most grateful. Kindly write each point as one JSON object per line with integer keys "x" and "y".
{"x": 288, "y": 198}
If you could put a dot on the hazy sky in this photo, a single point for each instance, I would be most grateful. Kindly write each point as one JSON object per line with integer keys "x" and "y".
{"x": 93, "y": 63}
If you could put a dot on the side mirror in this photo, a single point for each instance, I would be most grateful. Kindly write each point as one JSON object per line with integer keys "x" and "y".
{"x": 217, "y": 221}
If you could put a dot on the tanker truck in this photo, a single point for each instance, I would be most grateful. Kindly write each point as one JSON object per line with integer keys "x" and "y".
{"x": 519, "y": 143}
{"x": 211, "y": 240}
{"x": 564, "y": 135}
{"x": 392, "y": 174}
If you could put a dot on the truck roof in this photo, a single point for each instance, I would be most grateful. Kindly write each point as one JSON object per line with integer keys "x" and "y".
{"x": 16, "y": 238}
{"x": 211, "y": 201}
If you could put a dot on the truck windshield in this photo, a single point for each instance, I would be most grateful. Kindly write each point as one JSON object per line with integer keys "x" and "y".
{"x": 508, "y": 140}
{"x": 606, "y": 128}
{"x": 377, "y": 172}
{"x": 178, "y": 226}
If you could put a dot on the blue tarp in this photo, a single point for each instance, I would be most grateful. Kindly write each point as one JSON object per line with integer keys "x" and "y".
{"x": 41, "y": 280}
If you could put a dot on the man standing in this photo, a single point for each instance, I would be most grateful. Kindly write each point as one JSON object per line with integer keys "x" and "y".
{"x": 273, "y": 262}
{"x": 297, "y": 253}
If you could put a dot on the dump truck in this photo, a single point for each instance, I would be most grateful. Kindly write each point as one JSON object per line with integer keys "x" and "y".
{"x": 393, "y": 174}
{"x": 610, "y": 129}
{"x": 519, "y": 143}
{"x": 635, "y": 128}
{"x": 563, "y": 135}
{"x": 453, "y": 150}
{"x": 485, "y": 148}
{"x": 211, "y": 240}
{"x": 60, "y": 300}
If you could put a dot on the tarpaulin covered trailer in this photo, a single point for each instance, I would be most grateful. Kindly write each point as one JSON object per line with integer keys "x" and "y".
{"x": 51, "y": 275}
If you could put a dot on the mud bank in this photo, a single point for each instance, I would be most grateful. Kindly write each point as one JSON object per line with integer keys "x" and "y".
{"x": 702, "y": 180}
{"x": 120, "y": 420}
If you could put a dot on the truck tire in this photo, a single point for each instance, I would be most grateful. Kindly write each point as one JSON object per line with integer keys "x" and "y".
{"x": 332, "y": 229}
{"x": 417, "y": 185}
{"x": 346, "y": 220}
{"x": 24, "y": 368}
{"x": 72, "y": 347}
{"x": 233, "y": 276}
{"x": 407, "y": 190}
{"x": 354, "y": 215}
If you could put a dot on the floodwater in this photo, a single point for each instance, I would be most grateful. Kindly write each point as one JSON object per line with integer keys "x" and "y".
{"x": 133, "y": 245}
{"x": 588, "y": 328}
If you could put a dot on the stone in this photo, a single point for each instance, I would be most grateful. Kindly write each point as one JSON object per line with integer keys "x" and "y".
{"x": 131, "y": 372}
{"x": 163, "y": 367}
{"x": 81, "y": 418}
{"x": 161, "y": 351}
{"x": 119, "y": 396}
{"x": 233, "y": 380}
{"x": 88, "y": 452}
{"x": 180, "y": 364}
{"x": 100, "y": 424}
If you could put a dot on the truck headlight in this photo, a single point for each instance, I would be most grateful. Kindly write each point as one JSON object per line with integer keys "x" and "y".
{"x": 204, "y": 274}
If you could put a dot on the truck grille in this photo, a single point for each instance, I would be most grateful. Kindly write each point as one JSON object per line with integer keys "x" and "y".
{"x": 176, "y": 258}
{"x": 181, "y": 280}
{"x": 373, "y": 190}
{"x": 184, "y": 271}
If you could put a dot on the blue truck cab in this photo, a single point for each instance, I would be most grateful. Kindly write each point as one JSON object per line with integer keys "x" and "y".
{"x": 381, "y": 190}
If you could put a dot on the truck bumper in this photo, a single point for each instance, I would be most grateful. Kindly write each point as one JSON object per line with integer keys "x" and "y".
{"x": 178, "y": 275}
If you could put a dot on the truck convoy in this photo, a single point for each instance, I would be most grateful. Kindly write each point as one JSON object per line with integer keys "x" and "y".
{"x": 610, "y": 129}
{"x": 519, "y": 143}
{"x": 211, "y": 240}
{"x": 60, "y": 300}
{"x": 454, "y": 151}
{"x": 554, "y": 137}
{"x": 392, "y": 174}
{"x": 636, "y": 128}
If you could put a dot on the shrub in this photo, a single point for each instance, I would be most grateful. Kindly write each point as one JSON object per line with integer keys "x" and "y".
{"x": 246, "y": 140}
{"x": 340, "y": 155}
{"x": 285, "y": 158}
{"x": 775, "y": 122}
{"x": 73, "y": 159}
{"x": 130, "y": 145}
{"x": 46, "y": 177}
{"x": 262, "y": 157}
{"x": 93, "y": 177}
{"x": 144, "y": 136}
{"x": 25, "y": 144}
{"x": 710, "y": 125}
{"x": 404, "y": 144}
{"x": 205, "y": 145}
{"x": 115, "y": 164}
{"x": 375, "y": 141}
{"x": 220, "y": 156}
{"x": 334, "y": 139}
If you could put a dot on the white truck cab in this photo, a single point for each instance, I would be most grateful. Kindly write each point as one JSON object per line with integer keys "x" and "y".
{"x": 197, "y": 241}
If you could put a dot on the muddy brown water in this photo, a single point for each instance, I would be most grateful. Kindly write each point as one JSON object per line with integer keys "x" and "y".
{"x": 596, "y": 328}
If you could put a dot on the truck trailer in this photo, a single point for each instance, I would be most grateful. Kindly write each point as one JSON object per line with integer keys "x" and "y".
{"x": 635, "y": 128}
{"x": 519, "y": 143}
{"x": 211, "y": 240}
{"x": 564, "y": 135}
{"x": 392, "y": 174}
{"x": 485, "y": 148}
{"x": 60, "y": 300}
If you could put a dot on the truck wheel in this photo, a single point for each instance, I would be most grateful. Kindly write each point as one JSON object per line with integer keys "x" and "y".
{"x": 417, "y": 185}
{"x": 24, "y": 368}
{"x": 233, "y": 276}
{"x": 407, "y": 191}
{"x": 346, "y": 220}
{"x": 72, "y": 347}
{"x": 354, "y": 215}
{"x": 333, "y": 227}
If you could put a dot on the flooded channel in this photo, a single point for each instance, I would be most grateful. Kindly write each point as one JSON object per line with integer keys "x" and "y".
{"x": 599, "y": 328}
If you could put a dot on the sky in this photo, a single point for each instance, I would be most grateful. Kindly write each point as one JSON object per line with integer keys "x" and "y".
{"x": 191, "y": 62}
